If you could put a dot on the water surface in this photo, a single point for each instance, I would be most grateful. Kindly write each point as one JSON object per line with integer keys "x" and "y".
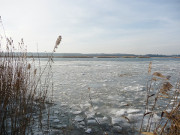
{"x": 106, "y": 89}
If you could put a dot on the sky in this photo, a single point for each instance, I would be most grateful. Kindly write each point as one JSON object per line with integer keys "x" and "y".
{"x": 94, "y": 26}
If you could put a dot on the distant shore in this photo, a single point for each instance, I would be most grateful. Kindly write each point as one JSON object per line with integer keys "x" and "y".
{"x": 97, "y": 57}
{"x": 80, "y": 55}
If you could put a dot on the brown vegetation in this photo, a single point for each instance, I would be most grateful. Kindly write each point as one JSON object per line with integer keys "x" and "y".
{"x": 169, "y": 123}
{"x": 23, "y": 92}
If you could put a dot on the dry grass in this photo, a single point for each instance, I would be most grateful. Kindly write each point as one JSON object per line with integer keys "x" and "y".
{"x": 18, "y": 91}
{"x": 23, "y": 92}
{"x": 160, "y": 90}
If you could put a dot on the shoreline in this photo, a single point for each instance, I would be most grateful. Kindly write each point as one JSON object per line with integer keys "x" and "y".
{"x": 92, "y": 57}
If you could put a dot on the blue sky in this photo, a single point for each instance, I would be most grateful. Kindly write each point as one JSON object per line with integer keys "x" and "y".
{"x": 95, "y": 26}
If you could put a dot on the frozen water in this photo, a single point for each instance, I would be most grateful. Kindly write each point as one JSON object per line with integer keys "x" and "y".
{"x": 56, "y": 121}
{"x": 118, "y": 120}
{"x": 117, "y": 129}
{"x": 56, "y": 112}
{"x": 130, "y": 110}
{"x": 119, "y": 112}
{"x": 76, "y": 112}
{"x": 102, "y": 120}
{"x": 91, "y": 122}
{"x": 89, "y": 130}
{"x": 78, "y": 118}
{"x": 107, "y": 87}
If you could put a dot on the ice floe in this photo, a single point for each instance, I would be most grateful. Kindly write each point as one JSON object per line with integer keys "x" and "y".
{"x": 78, "y": 118}
{"x": 91, "y": 122}
{"x": 117, "y": 129}
{"x": 76, "y": 112}
{"x": 88, "y": 130}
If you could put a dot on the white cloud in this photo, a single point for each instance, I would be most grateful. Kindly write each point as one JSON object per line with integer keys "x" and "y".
{"x": 94, "y": 26}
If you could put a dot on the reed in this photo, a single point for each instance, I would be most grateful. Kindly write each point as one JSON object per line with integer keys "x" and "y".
{"x": 23, "y": 92}
{"x": 163, "y": 95}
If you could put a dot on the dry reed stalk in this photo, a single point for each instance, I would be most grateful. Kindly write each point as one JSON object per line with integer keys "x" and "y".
{"x": 150, "y": 67}
{"x": 22, "y": 93}
{"x": 169, "y": 123}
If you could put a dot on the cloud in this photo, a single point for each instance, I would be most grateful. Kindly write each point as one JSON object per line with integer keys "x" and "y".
{"x": 94, "y": 26}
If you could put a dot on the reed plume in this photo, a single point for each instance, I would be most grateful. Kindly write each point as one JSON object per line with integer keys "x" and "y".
{"x": 169, "y": 123}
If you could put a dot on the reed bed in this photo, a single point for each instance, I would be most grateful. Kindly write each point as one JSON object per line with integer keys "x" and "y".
{"x": 23, "y": 92}
{"x": 163, "y": 95}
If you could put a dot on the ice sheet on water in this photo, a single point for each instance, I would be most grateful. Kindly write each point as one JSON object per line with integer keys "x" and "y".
{"x": 85, "y": 105}
{"x": 53, "y": 117}
{"x": 91, "y": 122}
{"x": 114, "y": 97}
{"x": 96, "y": 101}
{"x": 102, "y": 120}
{"x": 118, "y": 120}
{"x": 117, "y": 129}
{"x": 134, "y": 88}
{"x": 138, "y": 121}
{"x": 56, "y": 121}
{"x": 131, "y": 110}
{"x": 76, "y": 112}
{"x": 96, "y": 107}
{"x": 88, "y": 130}
{"x": 78, "y": 118}
{"x": 111, "y": 95}
{"x": 56, "y": 112}
{"x": 135, "y": 117}
{"x": 119, "y": 112}
{"x": 156, "y": 118}
{"x": 90, "y": 115}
